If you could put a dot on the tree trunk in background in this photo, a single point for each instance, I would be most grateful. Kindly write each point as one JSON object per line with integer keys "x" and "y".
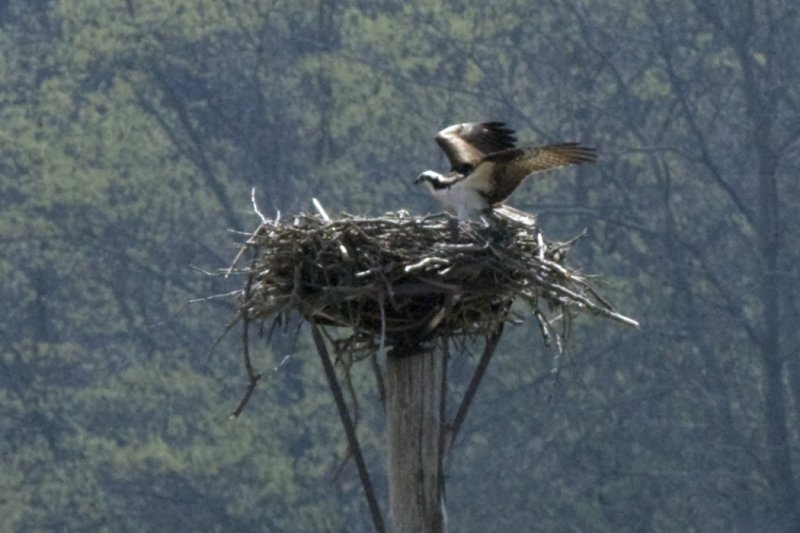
{"x": 413, "y": 400}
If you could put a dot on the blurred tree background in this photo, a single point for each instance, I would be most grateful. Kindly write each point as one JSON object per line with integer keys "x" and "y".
{"x": 131, "y": 132}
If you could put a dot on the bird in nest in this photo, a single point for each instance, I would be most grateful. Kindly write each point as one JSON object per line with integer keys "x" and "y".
{"x": 486, "y": 166}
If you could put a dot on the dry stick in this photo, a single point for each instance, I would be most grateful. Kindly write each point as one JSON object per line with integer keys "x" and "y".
{"x": 561, "y": 342}
{"x": 229, "y": 327}
{"x": 488, "y": 351}
{"x": 251, "y": 375}
{"x": 594, "y": 307}
{"x": 252, "y": 387}
{"x": 255, "y": 206}
{"x": 349, "y": 428}
{"x": 248, "y": 364}
{"x": 321, "y": 210}
{"x": 250, "y": 240}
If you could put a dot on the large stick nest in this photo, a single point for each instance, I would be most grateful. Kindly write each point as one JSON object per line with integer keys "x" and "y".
{"x": 400, "y": 280}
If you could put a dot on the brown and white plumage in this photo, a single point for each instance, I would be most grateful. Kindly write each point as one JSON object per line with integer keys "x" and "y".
{"x": 466, "y": 144}
{"x": 486, "y": 168}
{"x": 498, "y": 174}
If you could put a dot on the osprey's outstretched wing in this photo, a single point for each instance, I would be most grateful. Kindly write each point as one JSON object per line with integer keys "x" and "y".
{"x": 466, "y": 144}
{"x": 498, "y": 174}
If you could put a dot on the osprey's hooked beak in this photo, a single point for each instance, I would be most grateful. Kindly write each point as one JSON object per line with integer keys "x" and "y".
{"x": 427, "y": 175}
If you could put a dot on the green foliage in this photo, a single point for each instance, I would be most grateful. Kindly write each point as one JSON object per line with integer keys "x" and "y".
{"x": 132, "y": 132}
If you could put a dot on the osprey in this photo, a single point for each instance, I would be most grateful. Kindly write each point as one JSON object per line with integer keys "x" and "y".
{"x": 485, "y": 166}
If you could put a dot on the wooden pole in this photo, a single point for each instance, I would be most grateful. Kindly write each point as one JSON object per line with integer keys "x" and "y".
{"x": 413, "y": 400}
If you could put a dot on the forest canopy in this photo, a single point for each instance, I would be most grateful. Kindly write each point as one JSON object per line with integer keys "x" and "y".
{"x": 131, "y": 135}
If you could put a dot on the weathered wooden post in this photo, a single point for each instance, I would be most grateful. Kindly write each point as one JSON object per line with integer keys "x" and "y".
{"x": 413, "y": 427}
{"x": 405, "y": 286}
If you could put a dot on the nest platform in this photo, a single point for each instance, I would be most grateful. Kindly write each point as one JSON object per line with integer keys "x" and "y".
{"x": 400, "y": 280}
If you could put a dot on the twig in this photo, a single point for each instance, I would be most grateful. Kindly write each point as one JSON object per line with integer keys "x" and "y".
{"x": 561, "y": 340}
{"x": 252, "y": 387}
{"x": 248, "y": 364}
{"x": 602, "y": 310}
{"x": 216, "y": 296}
{"x": 321, "y": 210}
{"x": 228, "y": 327}
{"x": 255, "y": 206}
{"x": 202, "y": 271}
{"x": 544, "y": 326}
{"x": 244, "y": 248}
{"x": 428, "y": 261}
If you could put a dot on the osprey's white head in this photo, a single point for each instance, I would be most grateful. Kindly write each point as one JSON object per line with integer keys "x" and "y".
{"x": 452, "y": 195}
{"x": 432, "y": 180}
